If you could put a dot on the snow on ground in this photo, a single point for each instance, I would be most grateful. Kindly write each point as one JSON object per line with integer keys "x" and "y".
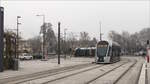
{"x": 32, "y": 66}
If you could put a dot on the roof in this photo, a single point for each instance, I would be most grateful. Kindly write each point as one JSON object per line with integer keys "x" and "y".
{"x": 109, "y": 42}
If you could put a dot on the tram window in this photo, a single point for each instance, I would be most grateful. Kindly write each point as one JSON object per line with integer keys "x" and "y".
{"x": 102, "y": 51}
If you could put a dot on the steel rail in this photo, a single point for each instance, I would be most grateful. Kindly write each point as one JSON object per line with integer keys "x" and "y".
{"x": 41, "y": 74}
{"x": 72, "y": 74}
{"x": 56, "y": 73}
{"x": 124, "y": 72}
{"x": 106, "y": 73}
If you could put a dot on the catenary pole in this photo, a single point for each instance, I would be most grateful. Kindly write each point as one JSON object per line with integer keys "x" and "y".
{"x": 100, "y": 31}
{"x": 1, "y": 37}
{"x": 58, "y": 42}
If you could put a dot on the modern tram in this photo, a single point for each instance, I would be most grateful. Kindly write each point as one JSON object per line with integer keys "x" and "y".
{"x": 84, "y": 52}
{"x": 107, "y": 52}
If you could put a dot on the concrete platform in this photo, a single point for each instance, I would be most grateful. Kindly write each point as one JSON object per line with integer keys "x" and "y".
{"x": 142, "y": 78}
{"x": 33, "y": 66}
{"x": 145, "y": 74}
{"x": 148, "y": 73}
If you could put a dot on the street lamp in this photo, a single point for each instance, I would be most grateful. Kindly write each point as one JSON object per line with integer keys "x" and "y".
{"x": 18, "y": 36}
{"x": 43, "y": 18}
{"x": 43, "y": 44}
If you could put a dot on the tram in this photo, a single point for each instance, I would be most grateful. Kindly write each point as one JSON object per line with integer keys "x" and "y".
{"x": 107, "y": 52}
{"x": 84, "y": 52}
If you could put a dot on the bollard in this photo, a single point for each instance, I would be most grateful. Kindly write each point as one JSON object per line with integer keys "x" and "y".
{"x": 147, "y": 59}
{"x": 148, "y": 54}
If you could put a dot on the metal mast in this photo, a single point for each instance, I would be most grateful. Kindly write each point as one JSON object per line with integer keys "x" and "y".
{"x": 100, "y": 31}
{"x": 58, "y": 42}
{"x": 1, "y": 37}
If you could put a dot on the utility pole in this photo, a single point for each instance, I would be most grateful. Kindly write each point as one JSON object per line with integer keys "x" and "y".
{"x": 18, "y": 36}
{"x": 100, "y": 31}
{"x": 58, "y": 42}
{"x": 1, "y": 37}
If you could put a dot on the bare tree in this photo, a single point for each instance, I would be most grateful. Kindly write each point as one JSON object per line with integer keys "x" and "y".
{"x": 50, "y": 38}
{"x": 35, "y": 44}
{"x": 131, "y": 43}
{"x": 92, "y": 42}
{"x": 84, "y": 39}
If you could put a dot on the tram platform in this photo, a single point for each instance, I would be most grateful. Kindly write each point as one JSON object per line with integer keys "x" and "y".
{"x": 148, "y": 73}
{"x": 145, "y": 74}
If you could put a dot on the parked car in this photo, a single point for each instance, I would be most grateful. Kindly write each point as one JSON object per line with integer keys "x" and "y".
{"x": 26, "y": 56}
{"x": 37, "y": 56}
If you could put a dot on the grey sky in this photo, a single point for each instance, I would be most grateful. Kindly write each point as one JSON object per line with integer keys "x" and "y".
{"x": 78, "y": 16}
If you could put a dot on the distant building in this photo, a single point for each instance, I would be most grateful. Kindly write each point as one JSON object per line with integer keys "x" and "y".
{"x": 24, "y": 46}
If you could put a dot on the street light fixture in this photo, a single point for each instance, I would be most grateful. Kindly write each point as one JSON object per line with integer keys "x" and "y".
{"x": 43, "y": 17}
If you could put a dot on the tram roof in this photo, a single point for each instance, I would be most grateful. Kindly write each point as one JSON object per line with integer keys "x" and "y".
{"x": 86, "y": 48}
{"x": 109, "y": 42}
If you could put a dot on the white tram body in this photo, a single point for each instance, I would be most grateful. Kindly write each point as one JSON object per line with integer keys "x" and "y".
{"x": 107, "y": 52}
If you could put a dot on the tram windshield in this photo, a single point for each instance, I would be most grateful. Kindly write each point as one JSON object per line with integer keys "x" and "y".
{"x": 102, "y": 50}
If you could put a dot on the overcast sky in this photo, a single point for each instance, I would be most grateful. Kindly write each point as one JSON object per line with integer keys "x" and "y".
{"x": 77, "y": 16}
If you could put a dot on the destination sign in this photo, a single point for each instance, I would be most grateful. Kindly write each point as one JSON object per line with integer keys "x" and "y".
{"x": 101, "y": 46}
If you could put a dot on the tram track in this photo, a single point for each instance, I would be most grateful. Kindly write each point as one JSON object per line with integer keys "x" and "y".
{"x": 124, "y": 72}
{"x": 73, "y": 74}
{"x": 93, "y": 81}
{"x": 133, "y": 73}
{"x": 76, "y": 70}
{"x": 90, "y": 81}
{"x": 38, "y": 75}
{"x": 55, "y": 79}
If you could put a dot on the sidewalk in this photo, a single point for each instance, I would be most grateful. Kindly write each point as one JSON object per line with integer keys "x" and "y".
{"x": 145, "y": 74}
{"x": 33, "y": 66}
{"x": 148, "y": 73}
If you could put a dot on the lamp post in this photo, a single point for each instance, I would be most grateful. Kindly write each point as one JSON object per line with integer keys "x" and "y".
{"x": 17, "y": 47}
{"x": 43, "y": 44}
